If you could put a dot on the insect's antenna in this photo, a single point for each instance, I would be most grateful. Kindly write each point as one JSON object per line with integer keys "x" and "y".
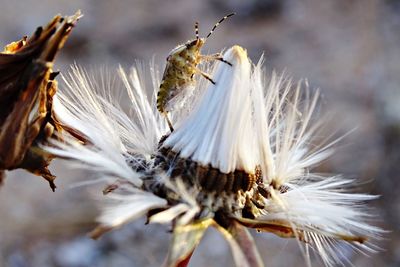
{"x": 196, "y": 29}
{"x": 216, "y": 24}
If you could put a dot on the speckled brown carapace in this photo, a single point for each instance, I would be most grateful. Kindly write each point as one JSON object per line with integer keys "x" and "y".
{"x": 181, "y": 67}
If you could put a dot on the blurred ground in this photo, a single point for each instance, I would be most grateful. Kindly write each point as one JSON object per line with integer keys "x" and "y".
{"x": 349, "y": 49}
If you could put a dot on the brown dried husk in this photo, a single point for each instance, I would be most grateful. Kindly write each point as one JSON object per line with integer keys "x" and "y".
{"x": 27, "y": 87}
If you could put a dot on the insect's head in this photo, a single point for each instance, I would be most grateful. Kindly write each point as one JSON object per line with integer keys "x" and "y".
{"x": 196, "y": 43}
{"x": 199, "y": 42}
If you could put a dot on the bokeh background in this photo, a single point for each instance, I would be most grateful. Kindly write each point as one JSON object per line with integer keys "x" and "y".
{"x": 349, "y": 49}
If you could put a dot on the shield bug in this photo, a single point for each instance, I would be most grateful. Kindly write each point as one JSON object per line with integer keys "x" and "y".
{"x": 181, "y": 67}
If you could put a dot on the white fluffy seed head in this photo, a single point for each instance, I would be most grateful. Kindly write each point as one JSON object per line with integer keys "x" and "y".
{"x": 240, "y": 123}
{"x": 243, "y": 122}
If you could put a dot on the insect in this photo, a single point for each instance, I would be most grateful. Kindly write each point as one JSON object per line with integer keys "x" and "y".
{"x": 181, "y": 67}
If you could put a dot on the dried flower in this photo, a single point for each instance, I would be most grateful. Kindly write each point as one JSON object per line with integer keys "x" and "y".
{"x": 27, "y": 87}
{"x": 240, "y": 156}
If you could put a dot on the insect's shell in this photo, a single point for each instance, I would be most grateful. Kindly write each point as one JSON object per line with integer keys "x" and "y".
{"x": 181, "y": 66}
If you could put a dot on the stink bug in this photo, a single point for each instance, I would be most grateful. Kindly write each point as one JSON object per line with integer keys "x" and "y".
{"x": 181, "y": 67}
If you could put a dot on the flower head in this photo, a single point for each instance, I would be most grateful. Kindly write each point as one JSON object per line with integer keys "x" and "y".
{"x": 240, "y": 156}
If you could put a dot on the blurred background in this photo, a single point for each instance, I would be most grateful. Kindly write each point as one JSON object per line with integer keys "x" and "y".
{"x": 348, "y": 49}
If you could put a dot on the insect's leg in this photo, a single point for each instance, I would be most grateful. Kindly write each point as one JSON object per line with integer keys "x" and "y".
{"x": 216, "y": 56}
{"x": 205, "y": 75}
{"x": 171, "y": 128}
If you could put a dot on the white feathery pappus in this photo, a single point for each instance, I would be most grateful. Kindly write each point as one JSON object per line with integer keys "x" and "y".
{"x": 181, "y": 67}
